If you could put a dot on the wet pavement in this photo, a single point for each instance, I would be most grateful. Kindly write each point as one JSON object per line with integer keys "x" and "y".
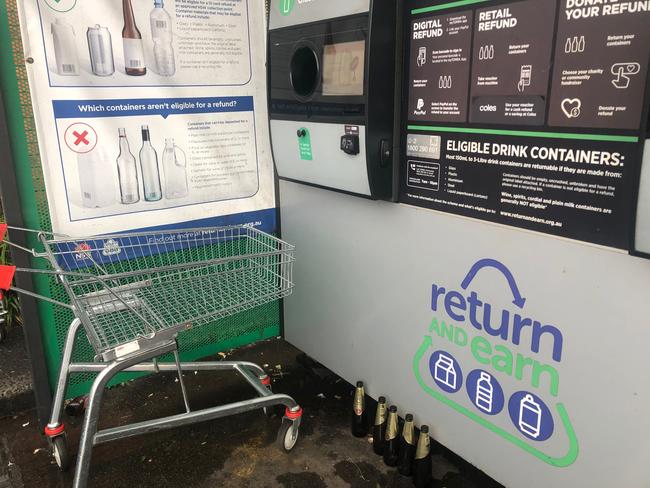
{"x": 234, "y": 452}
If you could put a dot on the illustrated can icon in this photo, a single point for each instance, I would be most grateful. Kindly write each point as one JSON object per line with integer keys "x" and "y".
{"x": 101, "y": 50}
{"x": 530, "y": 416}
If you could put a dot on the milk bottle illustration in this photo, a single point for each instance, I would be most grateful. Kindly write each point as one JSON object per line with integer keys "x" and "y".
{"x": 96, "y": 179}
{"x": 484, "y": 392}
{"x": 530, "y": 416}
{"x": 444, "y": 371}
{"x": 65, "y": 48}
{"x": 175, "y": 169}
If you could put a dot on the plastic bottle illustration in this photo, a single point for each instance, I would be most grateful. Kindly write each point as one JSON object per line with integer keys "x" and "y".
{"x": 65, "y": 48}
{"x": 100, "y": 46}
{"x": 484, "y": 392}
{"x": 530, "y": 416}
{"x": 96, "y": 179}
{"x": 134, "y": 64}
{"x": 161, "y": 33}
{"x": 127, "y": 172}
{"x": 444, "y": 371}
{"x": 150, "y": 170}
{"x": 175, "y": 169}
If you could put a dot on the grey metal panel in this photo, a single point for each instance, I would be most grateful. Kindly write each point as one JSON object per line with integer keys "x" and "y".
{"x": 330, "y": 166}
{"x": 287, "y": 13}
{"x": 362, "y": 306}
{"x": 642, "y": 242}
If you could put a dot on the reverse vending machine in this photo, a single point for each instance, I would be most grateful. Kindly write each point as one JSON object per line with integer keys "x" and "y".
{"x": 332, "y": 84}
{"x": 504, "y": 299}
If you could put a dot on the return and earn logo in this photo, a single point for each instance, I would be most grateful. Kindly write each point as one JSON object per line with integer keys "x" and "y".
{"x": 439, "y": 394}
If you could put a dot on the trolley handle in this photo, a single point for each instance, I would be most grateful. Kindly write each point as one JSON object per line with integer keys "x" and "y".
{"x": 40, "y": 233}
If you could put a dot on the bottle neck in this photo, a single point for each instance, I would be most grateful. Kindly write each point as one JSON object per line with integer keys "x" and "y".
{"x": 124, "y": 146}
{"x": 130, "y": 30}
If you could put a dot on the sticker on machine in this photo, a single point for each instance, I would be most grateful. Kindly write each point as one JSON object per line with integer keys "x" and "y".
{"x": 489, "y": 358}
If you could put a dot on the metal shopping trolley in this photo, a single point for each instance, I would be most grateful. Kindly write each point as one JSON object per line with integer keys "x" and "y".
{"x": 134, "y": 293}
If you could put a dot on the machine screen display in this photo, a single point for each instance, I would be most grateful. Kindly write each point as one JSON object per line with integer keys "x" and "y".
{"x": 343, "y": 68}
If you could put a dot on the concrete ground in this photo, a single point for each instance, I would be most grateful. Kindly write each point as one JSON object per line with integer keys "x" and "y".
{"x": 235, "y": 452}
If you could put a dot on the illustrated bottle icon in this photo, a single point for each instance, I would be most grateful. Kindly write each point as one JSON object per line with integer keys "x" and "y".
{"x": 530, "y": 416}
{"x": 127, "y": 172}
{"x": 134, "y": 64}
{"x": 379, "y": 429}
{"x": 65, "y": 48}
{"x": 359, "y": 414}
{"x": 406, "y": 447}
{"x": 100, "y": 47}
{"x": 96, "y": 180}
{"x": 161, "y": 34}
{"x": 422, "y": 464}
{"x": 484, "y": 392}
{"x": 567, "y": 45}
{"x": 391, "y": 441}
{"x": 149, "y": 167}
{"x": 175, "y": 169}
{"x": 581, "y": 44}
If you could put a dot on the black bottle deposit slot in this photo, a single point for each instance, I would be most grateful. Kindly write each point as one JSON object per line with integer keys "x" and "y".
{"x": 332, "y": 87}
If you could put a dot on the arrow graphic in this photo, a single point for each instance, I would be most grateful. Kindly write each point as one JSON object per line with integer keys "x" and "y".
{"x": 519, "y": 300}
{"x": 560, "y": 462}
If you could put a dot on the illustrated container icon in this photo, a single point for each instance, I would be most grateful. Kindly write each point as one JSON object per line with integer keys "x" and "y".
{"x": 100, "y": 46}
{"x": 484, "y": 392}
{"x": 162, "y": 36}
{"x": 530, "y": 416}
{"x": 444, "y": 371}
{"x": 149, "y": 167}
{"x": 175, "y": 169}
{"x": 127, "y": 172}
{"x": 65, "y": 48}
{"x": 96, "y": 179}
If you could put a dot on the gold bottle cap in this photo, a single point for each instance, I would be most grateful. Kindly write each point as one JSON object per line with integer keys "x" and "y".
{"x": 380, "y": 416}
{"x": 424, "y": 443}
{"x": 359, "y": 404}
{"x": 392, "y": 427}
{"x": 408, "y": 431}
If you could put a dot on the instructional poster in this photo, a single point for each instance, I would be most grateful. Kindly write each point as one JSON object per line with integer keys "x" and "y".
{"x": 529, "y": 113}
{"x": 150, "y": 112}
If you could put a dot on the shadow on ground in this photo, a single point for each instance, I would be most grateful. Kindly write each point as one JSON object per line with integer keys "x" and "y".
{"x": 235, "y": 452}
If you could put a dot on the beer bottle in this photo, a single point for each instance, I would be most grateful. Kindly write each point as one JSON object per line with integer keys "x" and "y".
{"x": 391, "y": 444}
{"x": 407, "y": 447}
{"x": 359, "y": 414}
{"x": 422, "y": 464}
{"x": 379, "y": 429}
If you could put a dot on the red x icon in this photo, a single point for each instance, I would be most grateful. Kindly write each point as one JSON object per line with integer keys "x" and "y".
{"x": 80, "y": 138}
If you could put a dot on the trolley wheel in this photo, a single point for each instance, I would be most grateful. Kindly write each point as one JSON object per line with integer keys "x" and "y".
{"x": 60, "y": 452}
{"x": 287, "y": 435}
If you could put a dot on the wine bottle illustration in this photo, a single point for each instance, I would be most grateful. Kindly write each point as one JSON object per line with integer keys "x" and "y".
{"x": 134, "y": 64}
{"x": 162, "y": 36}
{"x": 175, "y": 168}
{"x": 149, "y": 166}
{"x": 127, "y": 172}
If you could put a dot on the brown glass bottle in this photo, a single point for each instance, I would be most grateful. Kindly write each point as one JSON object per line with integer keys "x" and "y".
{"x": 134, "y": 64}
{"x": 407, "y": 447}
{"x": 422, "y": 477}
{"x": 391, "y": 440}
{"x": 359, "y": 414}
{"x": 379, "y": 429}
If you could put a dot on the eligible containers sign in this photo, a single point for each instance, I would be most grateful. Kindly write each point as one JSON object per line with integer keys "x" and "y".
{"x": 528, "y": 113}
{"x": 488, "y": 358}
